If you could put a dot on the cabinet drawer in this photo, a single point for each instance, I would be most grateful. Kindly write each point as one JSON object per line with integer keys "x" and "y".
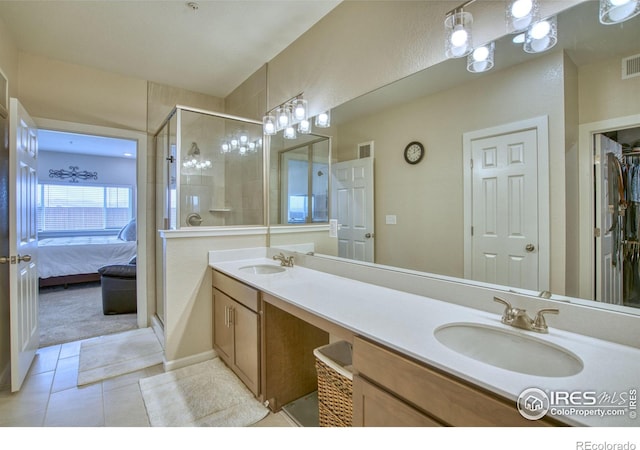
{"x": 374, "y": 407}
{"x": 451, "y": 401}
{"x": 240, "y": 292}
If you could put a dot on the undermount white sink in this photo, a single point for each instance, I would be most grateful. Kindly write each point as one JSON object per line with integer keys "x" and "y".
{"x": 262, "y": 269}
{"x": 509, "y": 350}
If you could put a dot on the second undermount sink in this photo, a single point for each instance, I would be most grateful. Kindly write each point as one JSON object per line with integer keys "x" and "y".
{"x": 263, "y": 269}
{"x": 509, "y": 350}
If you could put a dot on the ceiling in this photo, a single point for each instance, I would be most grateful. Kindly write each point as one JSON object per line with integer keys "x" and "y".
{"x": 211, "y": 47}
{"x": 207, "y": 46}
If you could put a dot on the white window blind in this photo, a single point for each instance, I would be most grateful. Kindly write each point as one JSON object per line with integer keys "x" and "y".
{"x": 66, "y": 207}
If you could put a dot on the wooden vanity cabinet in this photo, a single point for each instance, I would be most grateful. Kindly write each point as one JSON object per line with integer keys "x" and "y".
{"x": 391, "y": 389}
{"x": 236, "y": 328}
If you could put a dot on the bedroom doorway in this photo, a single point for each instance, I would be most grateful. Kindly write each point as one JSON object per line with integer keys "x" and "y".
{"x": 88, "y": 217}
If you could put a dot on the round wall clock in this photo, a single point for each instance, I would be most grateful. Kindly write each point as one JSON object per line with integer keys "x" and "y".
{"x": 413, "y": 152}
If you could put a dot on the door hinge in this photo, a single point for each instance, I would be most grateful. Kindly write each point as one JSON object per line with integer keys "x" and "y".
{"x": 596, "y": 232}
{"x": 471, "y": 231}
{"x": 471, "y": 161}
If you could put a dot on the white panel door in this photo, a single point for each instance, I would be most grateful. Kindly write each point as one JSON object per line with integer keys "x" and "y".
{"x": 505, "y": 209}
{"x": 608, "y": 266}
{"x": 23, "y": 242}
{"x": 352, "y": 204}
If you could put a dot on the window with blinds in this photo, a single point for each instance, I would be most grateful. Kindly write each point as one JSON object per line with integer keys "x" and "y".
{"x": 83, "y": 208}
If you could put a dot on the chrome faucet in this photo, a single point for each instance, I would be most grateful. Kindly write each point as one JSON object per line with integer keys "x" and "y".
{"x": 285, "y": 261}
{"x": 519, "y": 318}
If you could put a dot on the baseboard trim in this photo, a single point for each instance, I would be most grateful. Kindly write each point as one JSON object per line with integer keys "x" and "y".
{"x": 189, "y": 360}
{"x": 5, "y": 377}
{"x": 158, "y": 329}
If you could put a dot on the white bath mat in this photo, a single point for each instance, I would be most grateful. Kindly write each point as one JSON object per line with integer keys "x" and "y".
{"x": 207, "y": 394}
{"x": 118, "y": 354}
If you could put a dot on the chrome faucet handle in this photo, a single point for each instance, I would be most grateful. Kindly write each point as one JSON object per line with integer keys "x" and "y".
{"x": 539, "y": 323}
{"x": 507, "y": 315}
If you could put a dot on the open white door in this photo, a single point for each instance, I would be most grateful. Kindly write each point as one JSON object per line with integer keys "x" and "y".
{"x": 23, "y": 242}
{"x": 352, "y": 203}
{"x": 608, "y": 265}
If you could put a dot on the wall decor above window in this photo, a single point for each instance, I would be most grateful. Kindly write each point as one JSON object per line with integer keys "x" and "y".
{"x": 74, "y": 174}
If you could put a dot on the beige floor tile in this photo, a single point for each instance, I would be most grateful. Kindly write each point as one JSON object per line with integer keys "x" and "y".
{"x": 26, "y": 407}
{"x": 66, "y": 376}
{"x": 276, "y": 420}
{"x": 124, "y": 407}
{"x": 70, "y": 349}
{"x": 77, "y": 407}
{"x": 46, "y": 359}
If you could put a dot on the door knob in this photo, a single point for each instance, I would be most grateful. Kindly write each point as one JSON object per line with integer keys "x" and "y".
{"x": 369, "y": 235}
{"x": 14, "y": 260}
{"x": 530, "y": 247}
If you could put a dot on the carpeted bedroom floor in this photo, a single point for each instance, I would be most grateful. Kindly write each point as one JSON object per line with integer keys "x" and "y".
{"x": 75, "y": 313}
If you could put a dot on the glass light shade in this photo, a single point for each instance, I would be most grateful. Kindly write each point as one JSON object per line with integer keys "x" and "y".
{"x": 323, "y": 120}
{"x": 243, "y": 138}
{"x": 304, "y": 127}
{"x": 234, "y": 143}
{"x": 299, "y": 110}
{"x": 520, "y": 14}
{"x": 458, "y": 30}
{"x": 290, "y": 133}
{"x": 481, "y": 59}
{"x": 616, "y": 11}
{"x": 251, "y": 146}
{"x": 283, "y": 117}
{"x": 225, "y": 147}
{"x": 541, "y": 36}
{"x": 269, "y": 125}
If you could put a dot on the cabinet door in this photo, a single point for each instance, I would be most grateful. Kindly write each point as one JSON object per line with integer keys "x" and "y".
{"x": 247, "y": 346}
{"x": 374, "y": 407}
{"x": 222, "y": 326}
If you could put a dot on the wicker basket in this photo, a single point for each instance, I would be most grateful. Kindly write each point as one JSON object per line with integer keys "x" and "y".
{"x": 335, "y": 385}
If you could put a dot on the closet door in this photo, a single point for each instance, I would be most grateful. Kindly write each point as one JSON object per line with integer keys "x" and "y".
{"x": 608, "y": 260}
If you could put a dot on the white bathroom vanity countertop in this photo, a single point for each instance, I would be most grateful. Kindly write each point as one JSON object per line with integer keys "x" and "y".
{"x": 406, "y": 322}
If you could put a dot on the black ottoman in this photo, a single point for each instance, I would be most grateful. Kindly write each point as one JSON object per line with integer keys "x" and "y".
{"x": 118, "y": 289}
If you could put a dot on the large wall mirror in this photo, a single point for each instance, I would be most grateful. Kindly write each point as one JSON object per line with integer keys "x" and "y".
{"x": 504, "y": 157}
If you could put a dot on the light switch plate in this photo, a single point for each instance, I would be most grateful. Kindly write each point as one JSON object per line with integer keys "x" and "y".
{"x": 391, "y": 219}
{"x": 333, "y": 228}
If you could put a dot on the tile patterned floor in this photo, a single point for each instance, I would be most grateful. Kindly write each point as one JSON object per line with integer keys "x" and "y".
{"x": 51, "y": 398}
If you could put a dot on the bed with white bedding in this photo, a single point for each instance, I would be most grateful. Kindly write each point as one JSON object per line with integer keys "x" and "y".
{"x": 77, "y": 259}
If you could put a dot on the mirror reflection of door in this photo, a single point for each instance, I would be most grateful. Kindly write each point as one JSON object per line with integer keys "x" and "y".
{"x": 505, "y": 208}
{"x": 352, "y": 206}
{"x": 608, "y": 272}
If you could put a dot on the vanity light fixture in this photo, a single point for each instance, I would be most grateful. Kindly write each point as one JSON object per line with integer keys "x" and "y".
{"x": 541, "y": 36}
{"x": 616, "y": 11}
{"x": 269, "y": 125}
{"x": 283, "y": 116}
{"x": 299, "y": 109}
{"x": 481, "y": 59}
{"x": 292, "y": 112}
{"x": 520, "y": 14}
{"x": 304, "y": 127}
{"x": 289, "y": 132}
{"x": 457, "y": 26}
{"x": 323, "y": 120}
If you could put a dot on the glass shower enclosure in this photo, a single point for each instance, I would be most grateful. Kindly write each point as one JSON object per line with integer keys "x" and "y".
{"x": 210, "y": 170}
{"x": 209, "y": 174}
